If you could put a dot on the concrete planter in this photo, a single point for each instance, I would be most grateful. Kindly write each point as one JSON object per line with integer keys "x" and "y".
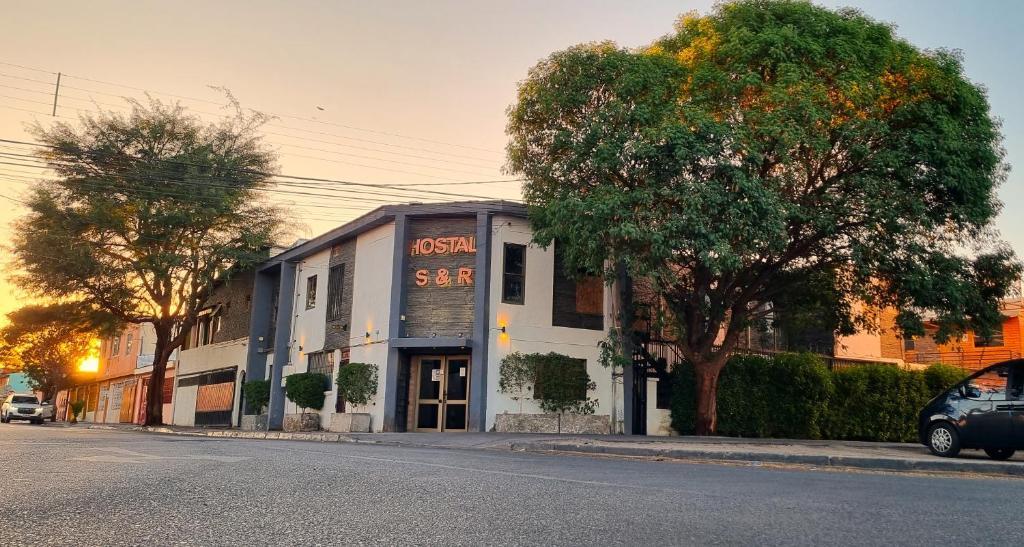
{"x": 349, "y": 422}
{"x": 590, "y": 424}
{"x": 553, "y": 423}
{"x": 301, "y": 422}
{"x": 254, "y": 422}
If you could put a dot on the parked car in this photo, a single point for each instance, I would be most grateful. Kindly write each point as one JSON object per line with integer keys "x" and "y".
{"x": 23, "y": 406}
{"x": 984, "y": 411}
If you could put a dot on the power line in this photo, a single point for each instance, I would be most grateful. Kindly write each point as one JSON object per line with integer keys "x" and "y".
{"x": 311, "y": 120}
{"x": 295, "y": 177}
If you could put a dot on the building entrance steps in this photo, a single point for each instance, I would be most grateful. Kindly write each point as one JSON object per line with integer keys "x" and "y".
{"x": 812, "y": 453}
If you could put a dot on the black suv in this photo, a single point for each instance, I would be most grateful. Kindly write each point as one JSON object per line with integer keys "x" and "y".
{"x": 984, "y": 411}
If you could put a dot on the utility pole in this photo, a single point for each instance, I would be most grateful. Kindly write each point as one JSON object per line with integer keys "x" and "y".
{"x": 56, "y": 91}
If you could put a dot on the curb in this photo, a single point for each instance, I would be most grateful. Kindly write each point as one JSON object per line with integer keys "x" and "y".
{"x": 318, "y": 436}
{"x": 858, "y": 462}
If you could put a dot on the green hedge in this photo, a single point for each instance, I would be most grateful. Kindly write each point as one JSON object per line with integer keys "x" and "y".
{"x": 796, "y": 396}
{"x": 759, "y": 397}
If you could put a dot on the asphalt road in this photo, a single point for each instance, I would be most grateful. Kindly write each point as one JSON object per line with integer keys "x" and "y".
{"x": 73, "y": 486}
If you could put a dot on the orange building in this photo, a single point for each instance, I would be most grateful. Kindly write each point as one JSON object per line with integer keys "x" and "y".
{"x": 118, "y": 393}
{"x": 971, "y": 351}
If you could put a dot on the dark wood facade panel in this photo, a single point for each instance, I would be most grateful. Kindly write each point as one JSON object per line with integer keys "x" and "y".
{"x": 433, "y": 307}
{"x": 338, "y": 332}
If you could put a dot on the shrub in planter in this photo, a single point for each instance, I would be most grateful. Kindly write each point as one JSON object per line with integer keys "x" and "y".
{"x": 516, "y": 375}
{"x": 306, "y": 390}
{"x": 257, "y": 395}
{"x": 357, "y": 383}
{"x": 76, "y": 410}
{"x": 562, "y": 384}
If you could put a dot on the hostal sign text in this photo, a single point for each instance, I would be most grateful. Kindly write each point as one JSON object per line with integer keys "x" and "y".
{"x": 441, "y": 246}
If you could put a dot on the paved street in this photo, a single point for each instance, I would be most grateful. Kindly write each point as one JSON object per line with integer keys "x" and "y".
{"x": 86, "y": 487}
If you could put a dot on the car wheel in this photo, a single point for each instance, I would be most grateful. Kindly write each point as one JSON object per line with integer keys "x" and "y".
{"x": 943, "y": 440}
{"x": 1000, "y": 453}
{"x": 39, "y": 422}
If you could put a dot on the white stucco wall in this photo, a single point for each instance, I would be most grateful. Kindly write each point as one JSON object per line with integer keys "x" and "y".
{"x": 185, "y": 405}
{"x": 371, "y": 307}
{"x": 528, "y": 326}
{"x": 308, "y": 324}
{"x": 231, "y": 353}
{"x": 371, "y": 302}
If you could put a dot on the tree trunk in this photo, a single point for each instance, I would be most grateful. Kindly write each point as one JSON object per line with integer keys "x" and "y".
{"x": 154, "y": 397}
{"x": 707, "y": 374}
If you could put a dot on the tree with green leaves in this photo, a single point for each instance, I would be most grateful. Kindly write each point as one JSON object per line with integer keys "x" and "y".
{"x": 758, "y": 145}
{"x": 145, "y": 212}
{"x": 49, "y": 342}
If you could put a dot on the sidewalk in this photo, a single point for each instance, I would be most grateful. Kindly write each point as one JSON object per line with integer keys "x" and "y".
{"x": 835, "y": 454}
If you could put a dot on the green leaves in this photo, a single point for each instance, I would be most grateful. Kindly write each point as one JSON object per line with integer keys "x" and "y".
{"x": 306, "y": 389}
{"x": 357, "y": 383}
{"x": 761, "y": 144}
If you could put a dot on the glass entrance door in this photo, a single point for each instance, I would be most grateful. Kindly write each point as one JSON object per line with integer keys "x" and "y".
{"x": 442, "y": 401}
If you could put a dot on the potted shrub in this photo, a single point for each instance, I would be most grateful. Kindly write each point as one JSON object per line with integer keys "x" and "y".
{"x": 76, "y": 410}
{"x": 560, "y": 386}
{"x": 257, "y": 398}
{"x": 357, "y": 386}
{"x": 306, "y": 390}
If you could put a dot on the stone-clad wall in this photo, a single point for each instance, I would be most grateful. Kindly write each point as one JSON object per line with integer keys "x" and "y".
{"x": 234, "y": 296}
{"x": 338, "y": 333}
{"x": 432, "y": 308}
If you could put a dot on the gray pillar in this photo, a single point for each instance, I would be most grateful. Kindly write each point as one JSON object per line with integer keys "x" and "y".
{"x": 282, "y": 339}
{"x": 399, "y": 262}
{"x": 259, "y": 327}
{"x": 481, "y": 325}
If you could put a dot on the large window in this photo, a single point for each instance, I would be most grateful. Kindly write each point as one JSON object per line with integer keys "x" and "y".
{"x": 513, "y": 283}
{"x": 335, "y": 285}
{"x": 128, "y": 345}
{"x": 578, "y": 301}
{"x": 115, "y": 345}
{"x": 310, "y": 292}
{"x": 993, "y": 340}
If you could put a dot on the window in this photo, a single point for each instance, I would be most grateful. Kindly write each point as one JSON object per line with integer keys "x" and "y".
{"x": 989, "y": 385}
{"x": 577, "y": 302}
{"x": 1017, "y": 382}
{"x": 993, "y": 340}
{"x": 115, "y": 345}
{"x": 128, "y": 345}
{"x": 310, "y": 292}
{"x": 335, "y": 282}
{"x": 909, "y": 344}
{"x": 513, "y": 282}
{"x": 321, "y": 362}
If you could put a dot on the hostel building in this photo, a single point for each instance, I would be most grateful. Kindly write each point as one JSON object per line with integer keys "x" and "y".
{"x": 434, "y": 295}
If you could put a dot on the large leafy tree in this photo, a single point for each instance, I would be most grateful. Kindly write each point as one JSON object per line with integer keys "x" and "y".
{"x": 49, "y": 342}
{"x": 145, "y": 212}
{"x": 765, "y": 143}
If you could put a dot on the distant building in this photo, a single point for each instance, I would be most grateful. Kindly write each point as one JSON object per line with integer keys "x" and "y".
{"x": 118, "y": 392}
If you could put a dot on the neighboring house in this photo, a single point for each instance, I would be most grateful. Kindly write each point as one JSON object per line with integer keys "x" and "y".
{"x": 119, "y": 391}
{"x": 14, "y": 382}
{"x": 211, "y": 364}
{"x": 433, "y": 295}
{"x": 971, "y": 351}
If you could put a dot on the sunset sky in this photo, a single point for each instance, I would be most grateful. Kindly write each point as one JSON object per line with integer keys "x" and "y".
{"x": 392, "y": 92}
